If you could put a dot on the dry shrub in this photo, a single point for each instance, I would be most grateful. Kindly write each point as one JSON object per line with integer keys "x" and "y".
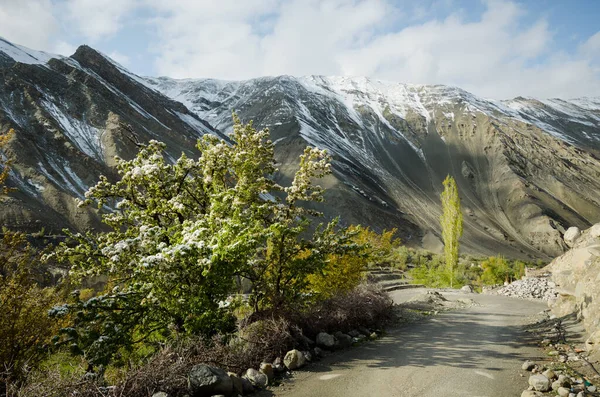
{"x": 167, "y": 370}
{"x": 262, "y": 338}
{"x": 53, "y": 383}
{"x": 367, "y": 306}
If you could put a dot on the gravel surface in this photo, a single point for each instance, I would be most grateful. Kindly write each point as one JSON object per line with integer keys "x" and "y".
{"x": 474, "y": 351}
{"x": 530, "y": 288}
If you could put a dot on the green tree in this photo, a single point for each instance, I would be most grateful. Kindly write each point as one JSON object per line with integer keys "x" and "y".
{"x": 451, "y": 222}
{"x": 496, "y": 270}
{"x": 180, "y": 234}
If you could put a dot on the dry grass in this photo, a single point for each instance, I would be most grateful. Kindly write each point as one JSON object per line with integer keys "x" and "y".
{"x": 366, "y": 306}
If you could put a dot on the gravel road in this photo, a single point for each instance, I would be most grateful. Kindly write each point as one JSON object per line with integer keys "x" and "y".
{"x": 470, "y": 352}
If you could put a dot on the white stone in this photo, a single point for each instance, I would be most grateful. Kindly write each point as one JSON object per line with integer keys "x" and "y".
{"x": 294, "y": 359}
{"x": 595, "y": 230}
{"x": 571, "y": 235}
{"x": 539, "y": 382}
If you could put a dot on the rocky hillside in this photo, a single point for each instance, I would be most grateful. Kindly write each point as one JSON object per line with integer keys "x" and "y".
{"x": 71, "y": 116}
{"x": 576, "y": 274}
{"x": 525, "y": 168}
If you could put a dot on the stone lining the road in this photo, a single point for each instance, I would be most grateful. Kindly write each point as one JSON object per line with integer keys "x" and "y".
{"x": 530, "y": 288}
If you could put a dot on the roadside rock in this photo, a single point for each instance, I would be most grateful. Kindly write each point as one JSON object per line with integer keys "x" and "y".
{"x": 549, "y": 374}
{"x": 528, "y": 365}
{"x": 238, "y": 387}
{"x": 467, "y": 289}
{"x": 307, "y": 355}
{"x": 563, "y": 392}
{"x": 343, "y": 340}
{"x": 325, "y": 340}
{"x": 247, "y": 386}
{"x": 257, "y": 378}
{"x": 571, "y": 235}
{"x": 278, "y": 366}
{"x": 204, "y": 380}
{"x": 268, "y": 370}
{"x": 364, "y": 331}
{"x": 319, "y": 353}
{"x": 294, "y": 359}
{"x": 530, "y": 288}
{"x": 354, "y": 333}
{"x": 577, "y": 277}
{"x": 539, "y": 382}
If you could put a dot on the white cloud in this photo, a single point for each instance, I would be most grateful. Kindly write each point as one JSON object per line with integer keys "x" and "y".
{"x": 501, "y": 53}
{"x": 63, "y": 48}
{"x": 28, "y": 22}
{"x": 99, "y": 19}
{"x": 122, "y": 59}
{"x": 211, "y": 39}
{"x": 494, "y": 56}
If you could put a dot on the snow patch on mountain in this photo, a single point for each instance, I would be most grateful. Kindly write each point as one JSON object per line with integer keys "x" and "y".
{"x": 26, "y": 55}
{"x": 85, "y": 137}
{"x": 194, "y": 123}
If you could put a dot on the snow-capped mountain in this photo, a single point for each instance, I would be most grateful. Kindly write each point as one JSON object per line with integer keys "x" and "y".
{"x": 72, "y": 116}
{"x": 526, "y": 168}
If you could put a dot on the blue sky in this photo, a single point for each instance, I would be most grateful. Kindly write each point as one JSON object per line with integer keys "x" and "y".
{"x": 493, "y": 48}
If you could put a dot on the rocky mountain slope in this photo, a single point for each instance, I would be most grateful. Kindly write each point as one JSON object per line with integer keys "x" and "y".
{"x": 69, "y": 116}
{"x": 525, "y": 168}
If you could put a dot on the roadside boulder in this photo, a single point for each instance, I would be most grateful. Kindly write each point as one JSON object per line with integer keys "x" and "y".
{"x": 563, "y": 392}
{"x": 571, "y": 235}
{"x": 325, "y": 340}
{"x": 238, "y": 388}
{"x": 549, "y": 374}
{"x": 595, "y": 230}
{"x": 319, "y": 353}
{"x": 467, "y": 289}
{"x": 278, "y": 366}
{"x": 354, "y": 333}
{"x": 364, "y": 330}
{"x": 247, "y": 386}
{"x": 539, "y": 382}
{"x": 528, "y": 365}
{"x": 268, "y": 370}
{"x": 343, "y": 340}
{"x": 294, "y": 359}
{"x": 204, "y": 380}
{"x": 257, "y": 378}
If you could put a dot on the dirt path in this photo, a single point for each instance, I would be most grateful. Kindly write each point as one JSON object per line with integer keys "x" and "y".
{"x": 471, "y": 352}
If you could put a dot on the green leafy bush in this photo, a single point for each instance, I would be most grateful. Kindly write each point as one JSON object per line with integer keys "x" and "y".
{"x": 25, "y": 328}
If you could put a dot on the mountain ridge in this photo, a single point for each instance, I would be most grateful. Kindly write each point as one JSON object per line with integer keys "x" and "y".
{"x": 526, "y": 168}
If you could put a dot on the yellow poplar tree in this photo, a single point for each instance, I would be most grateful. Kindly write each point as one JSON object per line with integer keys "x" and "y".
{"x": 452, "y": 224}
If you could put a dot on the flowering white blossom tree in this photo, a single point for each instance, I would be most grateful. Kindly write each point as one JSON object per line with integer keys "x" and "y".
{"x": 180, "y": 233}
